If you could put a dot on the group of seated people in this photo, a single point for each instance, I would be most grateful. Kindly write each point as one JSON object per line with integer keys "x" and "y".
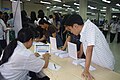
{"x": 19, "y": 63}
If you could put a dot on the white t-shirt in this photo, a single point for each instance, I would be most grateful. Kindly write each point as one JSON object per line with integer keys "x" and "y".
{"x": 102, "y": 55}
{"x": 20, "y": 63}
{"x": 2, "y": 27}
{"x": 113, "y": 28}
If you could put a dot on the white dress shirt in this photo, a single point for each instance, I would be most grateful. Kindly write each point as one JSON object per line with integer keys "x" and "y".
{"x": 102, "y": 55}
{"x": 20, "y": 63}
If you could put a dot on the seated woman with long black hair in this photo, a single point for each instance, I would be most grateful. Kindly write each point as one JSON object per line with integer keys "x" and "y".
{"x": 18, "y": 60}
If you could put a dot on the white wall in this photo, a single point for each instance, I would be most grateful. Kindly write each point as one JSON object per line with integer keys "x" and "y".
{"x": 28, "y": 6}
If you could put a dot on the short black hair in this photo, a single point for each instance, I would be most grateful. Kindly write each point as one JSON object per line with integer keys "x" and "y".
{"x": 44, "y": 20}
{"x": 1, "y": 12}
{"x": 65, "y": 19}
{"x": 74, "y": 18}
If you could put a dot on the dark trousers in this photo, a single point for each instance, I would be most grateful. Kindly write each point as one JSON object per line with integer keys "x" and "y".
{"x": 35, "y": 77}
{"x": 105, "y": 33}
{"x": 112, "y": 36}
{"x": 118, "y": 37}
{"x": 3, "y": 44}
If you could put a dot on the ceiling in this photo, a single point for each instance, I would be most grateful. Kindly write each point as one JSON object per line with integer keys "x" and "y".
{"x": 58, "y": 6}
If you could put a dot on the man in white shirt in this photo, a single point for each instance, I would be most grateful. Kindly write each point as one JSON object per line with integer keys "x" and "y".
{"x": 18, "y": 60}
{"x": 94, "y": 44}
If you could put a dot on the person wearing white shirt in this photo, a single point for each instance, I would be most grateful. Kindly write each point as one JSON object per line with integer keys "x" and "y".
{"x": 113, "y": 31}
{"x": 105, "y": 28}
{"x": 3, "y": 42}
{"x": 118, "y": 29}
{"x": 94, "y": 44}
{"x": 18, "y": 60}
{"x": 10, "y": 22}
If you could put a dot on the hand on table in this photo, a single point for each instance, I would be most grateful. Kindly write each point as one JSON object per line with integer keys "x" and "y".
{"x": 87, "y": 76}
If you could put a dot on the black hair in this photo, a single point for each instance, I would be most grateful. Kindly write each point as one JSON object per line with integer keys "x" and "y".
{"x": 50, "y": 16}
{"x": 1, "y": 12}
{"x": 65, "y": 19}
{"x": 41, "y": 14}
{"x": 44, "y": 20}
{"x": 24, "y": 35}
{"x": 11, "y": 15}
{"x": 74, "y": 18}
{"x": 33, "y": 16}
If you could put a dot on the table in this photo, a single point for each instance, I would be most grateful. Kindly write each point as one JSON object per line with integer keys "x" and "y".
{"x": 69, "y": 71}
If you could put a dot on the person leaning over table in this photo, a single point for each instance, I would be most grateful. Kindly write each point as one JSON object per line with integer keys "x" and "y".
{"x": 18, "y": 60}
{"x": 94, "y": 44}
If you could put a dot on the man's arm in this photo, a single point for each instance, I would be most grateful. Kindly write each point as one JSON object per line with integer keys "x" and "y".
{"x": 86, "y": 72}
{"x": 88, "y": 57}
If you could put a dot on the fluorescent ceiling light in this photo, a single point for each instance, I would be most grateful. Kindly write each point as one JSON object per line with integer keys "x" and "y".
{"x": 91, "y": 7}
{"x": 88, "y": 12}
{"x": 66, "y": 5}
{"x": 54, "y": 6}
{"x": 106, "y": 1}
{"x": 76, "y": 11}
{"x": 118, "y": 5}
{"x": 104, "y": 7}
{"x": 77, "y": 7}
{"x": 103, "y": 10}
{"x": 76, "y": 4}
{"x": 113, "y": 9}
{"x": 92, "y": 13}
{"x": 27, "y": 0}
{"x": 15, "y": 1}
{"x": 114, "y": 16}
{"x": 45, "y": 2}
{"x": 57, "y": 0}
{"x": 104, "y": 15}
{"x": 47, "y": 7}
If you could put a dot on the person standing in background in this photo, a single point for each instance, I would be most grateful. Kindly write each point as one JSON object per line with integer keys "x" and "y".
{"x": 113, "y": 31}
{"x": 105, "y": 28}
{"x": 3, "y": 42}
{"x": 118, "y": 29}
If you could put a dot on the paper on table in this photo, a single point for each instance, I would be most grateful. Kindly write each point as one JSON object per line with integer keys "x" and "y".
{"x": 72, "y": 50}
{"x": 53, "y": 66}
{"x": 53, "y": 43}
{"x": 78, "y": 61}
{"x": 91, "y": 67}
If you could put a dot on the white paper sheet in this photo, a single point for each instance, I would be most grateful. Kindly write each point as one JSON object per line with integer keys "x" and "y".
{"x": 72, "y": 50}
{"x": 53, "y": 66}
{"x": 91, "y": 67}
{"x": 78, "y": 61}
{"x": 53, "y": 43}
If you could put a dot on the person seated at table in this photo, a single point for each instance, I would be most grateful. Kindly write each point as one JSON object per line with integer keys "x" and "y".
{"x": 18, "y": 60}
{"x": 49, "y": 30}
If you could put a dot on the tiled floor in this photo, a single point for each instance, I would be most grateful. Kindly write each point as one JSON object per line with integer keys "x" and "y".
{"x": 115, "y": 48}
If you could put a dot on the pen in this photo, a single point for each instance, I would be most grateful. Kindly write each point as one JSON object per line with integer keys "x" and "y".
{"x": 55, "y": 66}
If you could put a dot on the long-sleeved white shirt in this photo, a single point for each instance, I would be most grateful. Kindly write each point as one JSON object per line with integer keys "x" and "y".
{"x": 20, "y": 63}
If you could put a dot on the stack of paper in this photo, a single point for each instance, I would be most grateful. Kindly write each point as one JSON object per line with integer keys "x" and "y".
{"x": 78, "y": 61}
{"x": 60, "y": 53}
